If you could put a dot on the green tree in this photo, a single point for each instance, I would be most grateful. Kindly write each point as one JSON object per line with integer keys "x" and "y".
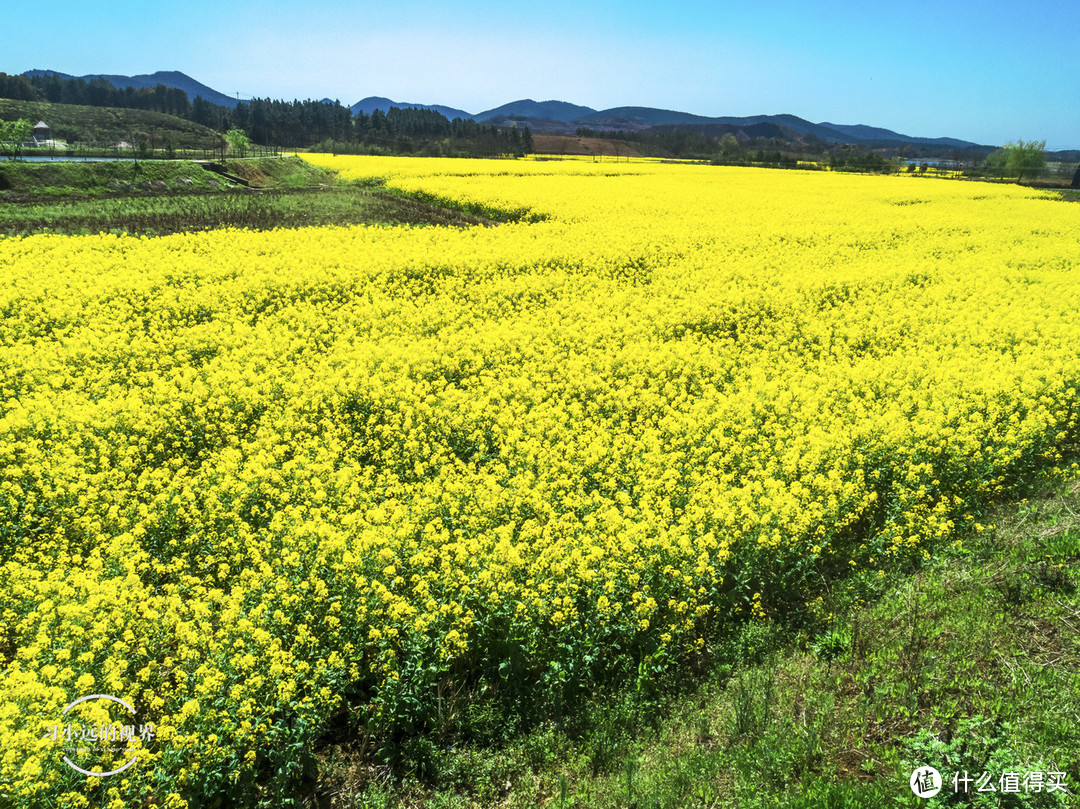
{"x": 142, "y": 145}
{"x": 729, "y": 145}
{"x": 14, "y": 133}
{"x": 239, "y": 142}
{"x": 1021, "y": 157}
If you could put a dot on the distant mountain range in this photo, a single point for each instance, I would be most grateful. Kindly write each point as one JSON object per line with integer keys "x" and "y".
{"x": 170, "y": 78}
{"x": 561, "y": 117}
{"x": 540, "y": 110}
{"x": 371, "y": 103}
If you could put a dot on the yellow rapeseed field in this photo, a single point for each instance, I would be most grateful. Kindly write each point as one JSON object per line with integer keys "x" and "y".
{"x": 248, "y": 478}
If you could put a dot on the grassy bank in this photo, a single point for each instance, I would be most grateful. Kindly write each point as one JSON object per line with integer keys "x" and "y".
{"x": 26, "y": 182}
{"x": 23, "y": 181}
{"x": 970, "y": 664}
{"x": 159, "y": 197}
{"x": 107, "y": 126}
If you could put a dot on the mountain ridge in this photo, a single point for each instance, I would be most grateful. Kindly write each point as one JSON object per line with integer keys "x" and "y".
{"x": 371, "y": 103}
{"x": 170, "y": 78}
{"x": 562, "y": 117}
{"x": 562, "y": 111}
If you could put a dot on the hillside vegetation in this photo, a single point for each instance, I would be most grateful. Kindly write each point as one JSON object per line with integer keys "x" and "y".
{"x": 104, "y": 127}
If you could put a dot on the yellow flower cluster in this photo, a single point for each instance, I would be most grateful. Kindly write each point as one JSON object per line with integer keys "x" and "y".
{"x": 246, "y": 476}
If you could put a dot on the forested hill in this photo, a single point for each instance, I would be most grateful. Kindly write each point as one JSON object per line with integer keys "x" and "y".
{"x": 170, "y": 78}
{"x": 289, "y": 124}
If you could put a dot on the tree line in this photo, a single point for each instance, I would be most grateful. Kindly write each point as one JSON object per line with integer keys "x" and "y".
{"x": 671, "y": 141}
{"x": 718, "y": 143}
{"x": 332, "y": 128}
{"x": 1020, "y": 159}
{"x": 290, "y": 124}
{"x": 95, "y": 93}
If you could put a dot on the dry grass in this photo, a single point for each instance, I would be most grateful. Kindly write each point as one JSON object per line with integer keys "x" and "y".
{"x": 570, "y": 145}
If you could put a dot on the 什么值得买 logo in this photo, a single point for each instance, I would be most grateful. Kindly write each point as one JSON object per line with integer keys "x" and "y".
{"x": 926, "y": 782}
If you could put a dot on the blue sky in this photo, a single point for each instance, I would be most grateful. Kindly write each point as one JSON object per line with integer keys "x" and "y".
{"x": 980, "y": 71}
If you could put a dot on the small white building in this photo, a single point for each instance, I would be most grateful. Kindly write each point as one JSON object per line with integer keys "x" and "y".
{"x": 42, "y": 134}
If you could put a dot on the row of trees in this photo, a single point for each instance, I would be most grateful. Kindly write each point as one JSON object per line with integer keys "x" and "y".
{"x": 292, "y": 124}
{"x": 1020, "y": 159}
{"x": 95, "y": 93}
{"x": 427, "y": 132}
{"x": 334, "y": 128}
{"x": 675, "y": 142}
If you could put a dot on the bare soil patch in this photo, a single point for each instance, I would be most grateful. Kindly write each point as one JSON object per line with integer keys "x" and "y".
{"x": 571, "y": 145}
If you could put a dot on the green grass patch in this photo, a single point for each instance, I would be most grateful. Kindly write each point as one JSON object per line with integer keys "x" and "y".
{"x": 283, "y": 172}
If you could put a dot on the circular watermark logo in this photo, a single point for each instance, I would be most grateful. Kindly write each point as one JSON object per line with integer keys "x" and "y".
{"x": 102, "y": 740}
{"x": 926, "y": 782}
